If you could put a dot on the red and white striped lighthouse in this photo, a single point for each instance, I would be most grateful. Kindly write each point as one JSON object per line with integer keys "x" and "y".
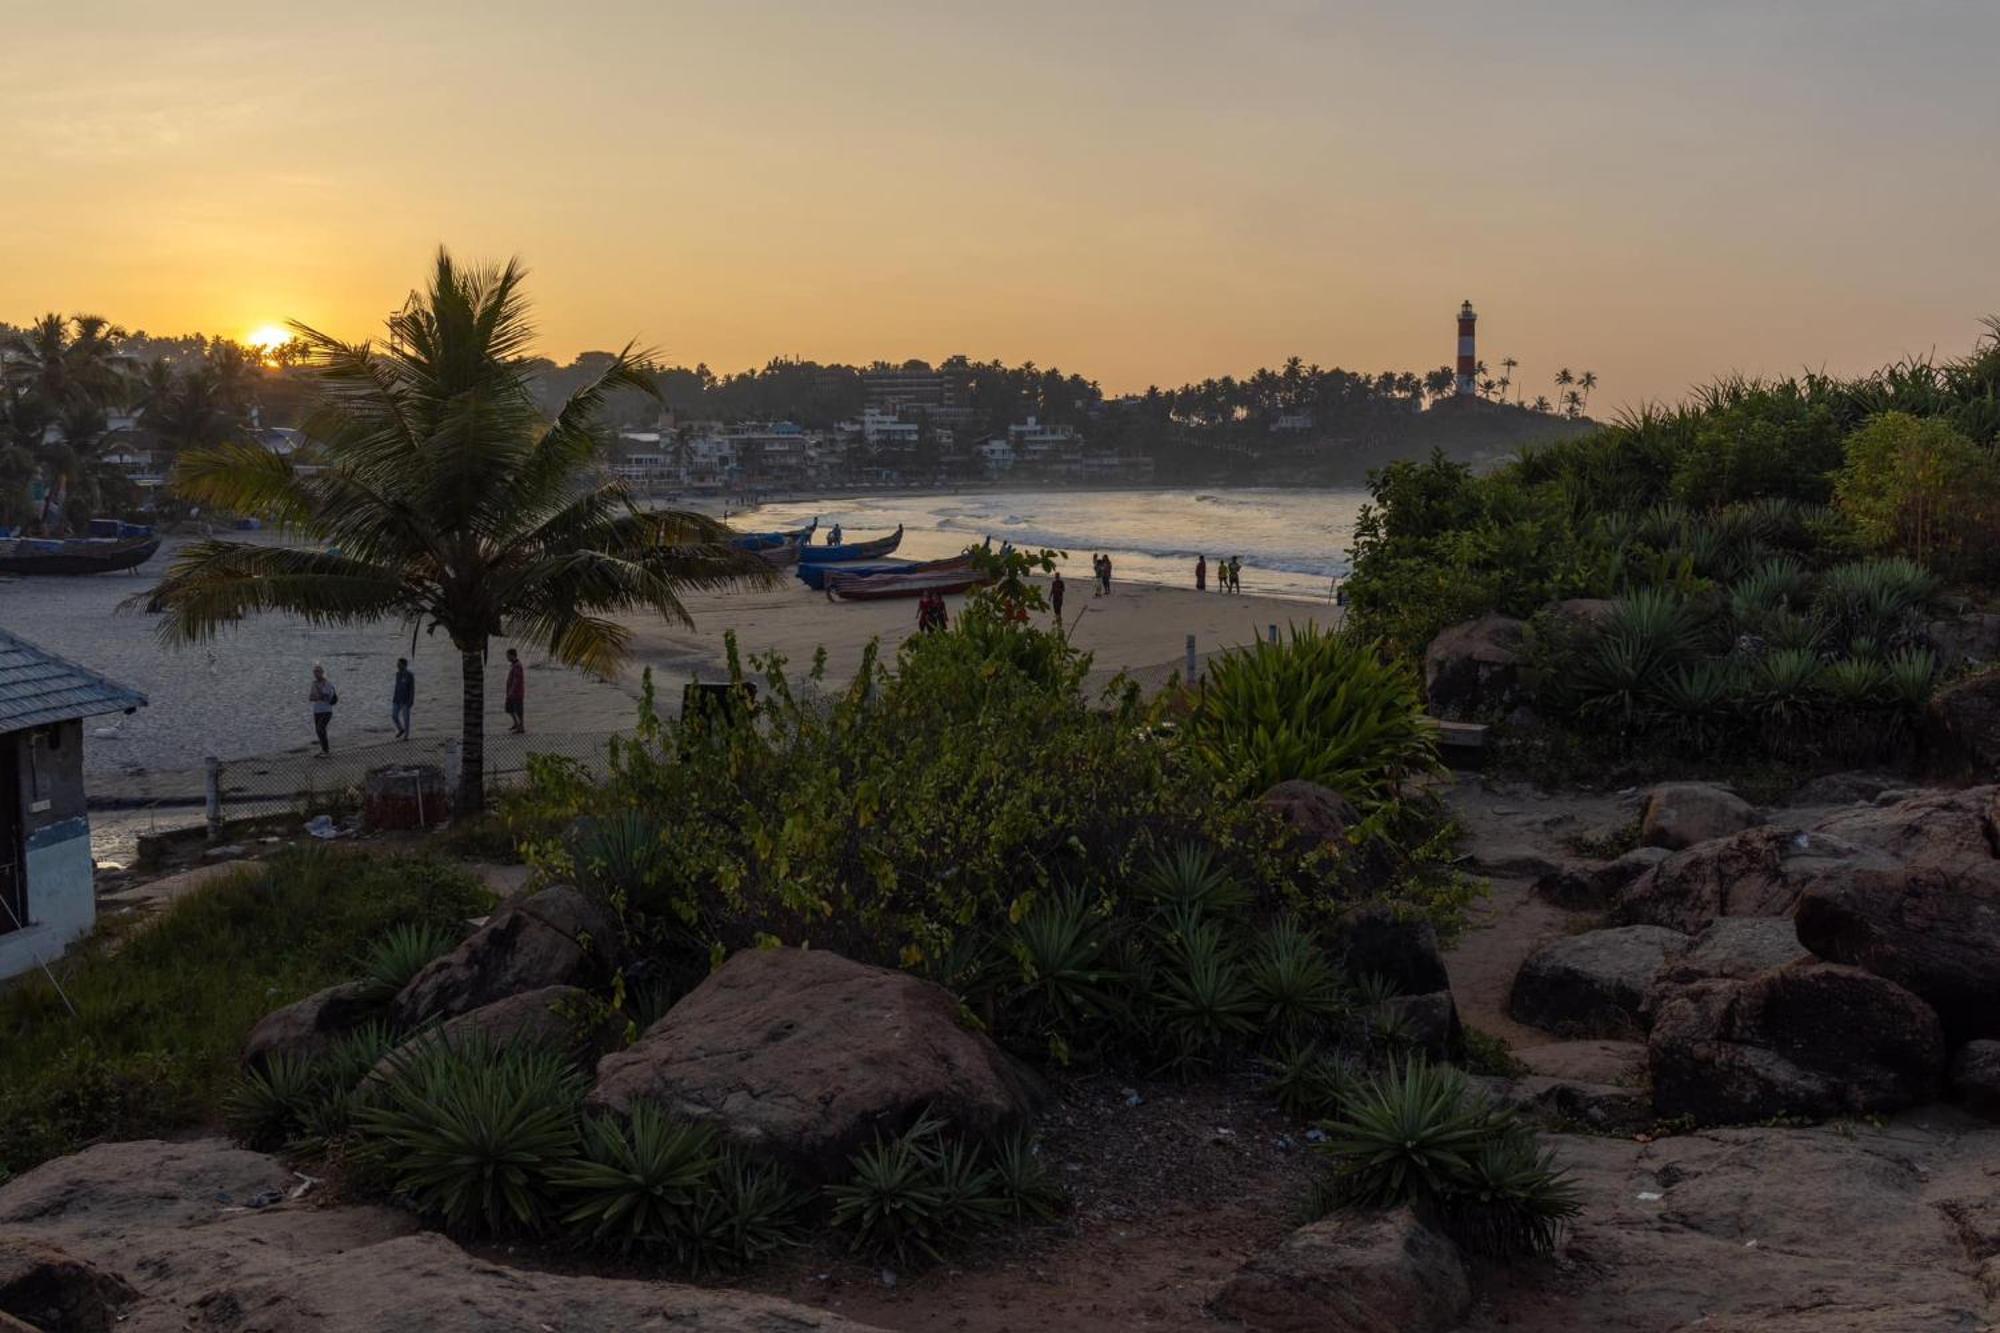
{"x": 1466, "y": 358}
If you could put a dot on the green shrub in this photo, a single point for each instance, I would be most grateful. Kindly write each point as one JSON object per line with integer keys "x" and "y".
{"x": 472, "y": 1134}
{"x": 1323, "y": 707}
{"x": 1417, "y": 1135}
{"x": 638, "y": 1181}
{"x": 268, "y": 1105}
{"x": 1923, "y": 490}
{"x": 163, "y": 1008}
{"x": 917, "y": 1194}
{"x": 1295, "y": 981}
{"x": 392, "y": 961}
{"x": 1027, "y": 1192}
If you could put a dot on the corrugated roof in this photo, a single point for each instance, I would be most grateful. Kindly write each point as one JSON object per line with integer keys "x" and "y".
{"x": 37, "y": 688}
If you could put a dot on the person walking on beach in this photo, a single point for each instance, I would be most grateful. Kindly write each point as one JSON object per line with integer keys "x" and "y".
{"x": 517, "y": 693}
{"x": 1236, "y": 573}
{"x": 402, "y": 698}
{"x": 1104, "y": 572}
{"x": 1201, "y": 573}
{"x": 1056, "y": 597}
{"x": 322, "y": 696}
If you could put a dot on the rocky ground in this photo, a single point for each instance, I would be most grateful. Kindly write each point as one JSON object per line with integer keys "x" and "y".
{"x": 1825, "y": 961}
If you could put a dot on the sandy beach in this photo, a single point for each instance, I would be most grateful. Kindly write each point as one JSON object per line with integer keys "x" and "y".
{"x": 244, "y": 694}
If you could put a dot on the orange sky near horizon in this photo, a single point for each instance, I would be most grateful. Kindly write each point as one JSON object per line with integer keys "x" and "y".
{"x": 1142, "y": 193}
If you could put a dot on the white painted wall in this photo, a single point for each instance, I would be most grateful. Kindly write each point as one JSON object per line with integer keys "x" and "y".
{"x": 62, "y": 900}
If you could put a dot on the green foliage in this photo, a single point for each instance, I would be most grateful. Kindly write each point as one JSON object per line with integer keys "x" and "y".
{"x": 473, "y": 1134}
{"x": 1325, "y": 707}
{"x": 1921, "y": 489}
{"x": 392, "y": 961}
{"x": 1191, "y": 877}
{"x": 1021, "y": 1179}
{"x": 162, "y": 1011}
{"x": 919, "y": 1193}
{"x": 1202, "y": 996}
{"x": 1417, "y": 1135}
{"x": 267, "y": 1105}
{"x": 1068, "y": 988}
{"x": 638, "y": 1181}
{"x": 1294, "y": 980}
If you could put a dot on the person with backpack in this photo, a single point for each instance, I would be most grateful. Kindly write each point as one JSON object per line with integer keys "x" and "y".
{"x": 402, "y": 698}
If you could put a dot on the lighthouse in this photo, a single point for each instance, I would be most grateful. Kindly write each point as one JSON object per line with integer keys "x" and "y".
{"x": 1467, "y": 388}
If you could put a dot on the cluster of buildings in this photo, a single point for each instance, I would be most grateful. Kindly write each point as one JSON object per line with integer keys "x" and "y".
{"x": 915, "y": 428}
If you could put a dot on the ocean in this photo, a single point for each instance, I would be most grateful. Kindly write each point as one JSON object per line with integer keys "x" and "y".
{"x": 1293, "y": 542}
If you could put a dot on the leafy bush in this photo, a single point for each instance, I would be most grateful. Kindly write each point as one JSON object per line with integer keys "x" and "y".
{"x": 639, "y": 1181}
{"x": 162, "y": 1011}
{"x": 920, "y": 1192}
{"x": 268, "y": 1105}
{"x": 1417, "y": 1135}
{"x": 1921, "y": 489}
{"x": 1324, "y": 707}
{"x": 472, "y": 1134}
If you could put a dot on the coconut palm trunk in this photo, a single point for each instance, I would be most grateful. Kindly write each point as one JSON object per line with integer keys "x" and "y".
{"x": 471, "y": 793}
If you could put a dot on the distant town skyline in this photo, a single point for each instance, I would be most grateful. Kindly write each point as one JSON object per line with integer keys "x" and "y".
{"x": 1143, "y": 194}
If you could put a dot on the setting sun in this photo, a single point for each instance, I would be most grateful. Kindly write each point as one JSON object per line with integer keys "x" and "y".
{"x": 268, "y": 336}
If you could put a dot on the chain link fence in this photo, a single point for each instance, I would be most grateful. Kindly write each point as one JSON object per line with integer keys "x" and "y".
{"x": 126, "y": 806}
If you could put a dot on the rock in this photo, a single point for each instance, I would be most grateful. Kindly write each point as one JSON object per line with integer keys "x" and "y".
{"x": 1585, "y": 612}
{"x": 1975, "y": 1081}
{"x": 1594, "y": 888}
{"x": 1355, "y": 1272}
{"x": 169, "y": 1223}
{"x": 1968, "y": 640}
{"x": 1736, "y": 946}
{"x": 1428, "y": 1023}
{"x": 1594, "y": 984}
{"x": 1373, "y": 939}
{"x": 1816, "y": 1040}
{"x": 1843, "y": 789}
{"x": 1758, "y": 872}
{"x": 308, "y": 1027}
{"x": 806, "y": 1057}
{"x": 1512, "y": 861}
{"x": 1475, "y": 667}
{"x": 1621, "y": 1063}
{"x": 556, "y": 937}
{"x": 1932, "y": 931}
{"x": 1681, "y": 814}
{"x": 551, "y": 1016}
{"x": 1317, "y": 816}
{"x": 1567, "y": 1103}
{"x": 1951, "y": 830}
{"x": 47, "y": 1287}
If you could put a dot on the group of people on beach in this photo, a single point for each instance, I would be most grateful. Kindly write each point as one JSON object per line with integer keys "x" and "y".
{"x": 322, "y": 698}
{"x": 1100, "y": 565}
{"x": 1228, "y": 574}
{"x": 931, "y": 614}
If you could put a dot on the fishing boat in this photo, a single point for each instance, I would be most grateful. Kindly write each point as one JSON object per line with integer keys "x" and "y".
{"x": 763, "y": 541}
{"x": 880, "y": 587}
{"x": 784, "y": 555}
{"x": 74, "y": 555}
{"x": 815, "y": 576}
{"x": 846, "y": 551}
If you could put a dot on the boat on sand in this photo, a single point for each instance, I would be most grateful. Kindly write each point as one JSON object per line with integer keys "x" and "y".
{"x": 868, "y": 550}
{"x": 74, "y": 555}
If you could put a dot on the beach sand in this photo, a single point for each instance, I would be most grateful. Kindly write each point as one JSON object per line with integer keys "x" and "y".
{"x": 244, "y": 695}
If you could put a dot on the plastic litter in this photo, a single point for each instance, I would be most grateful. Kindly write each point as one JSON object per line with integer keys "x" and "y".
{"x": 321, "y": 826}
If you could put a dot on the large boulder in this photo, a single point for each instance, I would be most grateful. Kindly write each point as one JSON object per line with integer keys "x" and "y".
{"x": 1932, "y": 931}
{"x": 1427, "y": 1023}
{"x": 556, "y": 937}
{"x": 1475, "y": 667}
{"x": 1594, "y": 886}
{"x": 1967, "y": 640}
{"x": 806, "y": 1057}
{"x": 309, "y": 1027}
{"x": 554, "y": 1017}
{"x": 1402, "y": 951}
{"x": 1961, "y": 730}
{"x": 1814, "y": 1040}
{"x": 1316, "y": 816}
{"x": 197, "y": 1234}
{"x": 1594, "y": 984}
{"x": 1975, "y": 1079}
{"x": 1735, "y": 946}
{"x": 1355, "y": 1272}
{"x": 1952, "y": 830}
{"x": 1758, "y": 872}
{"x": 1681, "y": 814}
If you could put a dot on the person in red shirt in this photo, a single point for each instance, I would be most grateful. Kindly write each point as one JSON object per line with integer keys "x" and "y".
{"x": 517, "y": 693}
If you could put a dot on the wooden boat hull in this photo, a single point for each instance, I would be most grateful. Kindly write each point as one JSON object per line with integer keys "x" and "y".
{"x": 779, "y": 557}
{"x": 815, "y": 576}
{"x": 870, "y": 550}
{"x": 76, "y": 556}
{"x": 882, "y": 587}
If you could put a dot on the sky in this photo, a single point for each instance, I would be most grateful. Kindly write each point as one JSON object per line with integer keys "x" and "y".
{"x": 1138, "y": 192}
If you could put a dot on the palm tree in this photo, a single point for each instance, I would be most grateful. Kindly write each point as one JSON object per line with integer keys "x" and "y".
{"x": 1541, "y": 403}
{"x": 445, "y": 499}
{"x": 1587, "y": 381}
{"x": 1509, "y": 365}
{"x": 1564, "y": 379}
{"x": 1572, "y": 404}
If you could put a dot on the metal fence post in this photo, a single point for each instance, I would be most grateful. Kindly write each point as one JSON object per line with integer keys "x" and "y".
{"x": 1271, "y": 632}
{"x": 213, "y": 784}
{"x": 1190, "y": 659}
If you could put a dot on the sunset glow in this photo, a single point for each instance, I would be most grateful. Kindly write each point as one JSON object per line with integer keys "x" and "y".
{"x": 265, "y": 337}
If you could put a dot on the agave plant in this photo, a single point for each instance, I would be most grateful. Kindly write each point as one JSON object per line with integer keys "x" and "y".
{"x": 1880, "y": 599}
{"x": 1026, "y": 1189}
{"x": 1776, "y": 585}
{"x": 1203, "y": 997}
{"x": 471, "y": 1132}
{"x": 1911, "y": 674}
{"x": 1324, "y": 707}
{"x": 270, "y": 1103}
{"x": 637, "y": 1182}
{"x": 1294, "y": 980}
{"x": 1854, "y": 682}
{"x": 1512, "y": 1199}
{"x": 915, "y": 1194}
{"x": 1307, "y": 1082}
{"x": 1067, "y": 985}
{"x": 1407, "y": 1136}
{"x": 1647, "y": 636}
{"x": 619, "y": 857}
{"x": 1191, "y": 876}
{"x": 392, "y": 961}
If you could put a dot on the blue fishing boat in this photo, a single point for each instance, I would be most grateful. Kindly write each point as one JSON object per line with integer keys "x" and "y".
{"x": 849, "y": 551}
{"x": 764, "y": 541}
{"x": 818, "y": 575}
